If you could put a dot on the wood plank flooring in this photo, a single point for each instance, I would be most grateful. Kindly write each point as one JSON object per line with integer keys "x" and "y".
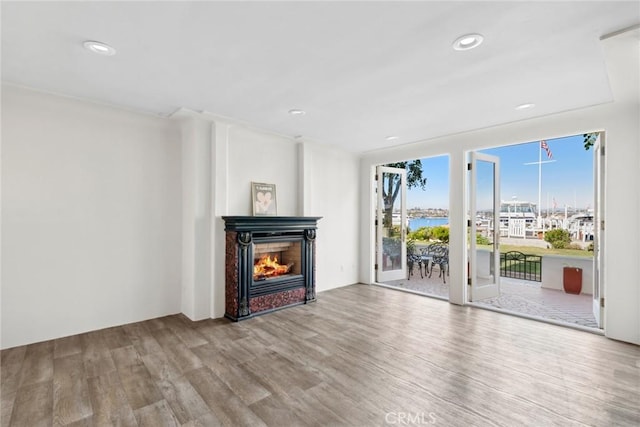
{"x": 359, "y": 356}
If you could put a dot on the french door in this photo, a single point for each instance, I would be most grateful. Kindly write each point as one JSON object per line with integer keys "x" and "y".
{"x": 391, "y": 224}
{"x": 484, "y": 207}
{"x": 598, "y": 231}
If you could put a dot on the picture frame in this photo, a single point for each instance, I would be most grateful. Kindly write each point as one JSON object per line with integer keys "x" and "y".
{"x": 263, "y": 199}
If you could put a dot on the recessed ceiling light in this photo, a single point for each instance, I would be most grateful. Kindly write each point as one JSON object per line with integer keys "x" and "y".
{"x": 99, "y": 48}
{"x": 296, "y": 112}
{"x": 525, "y": 106}
{"x": 468, "y": 41}
{"x": 392, "y": 138}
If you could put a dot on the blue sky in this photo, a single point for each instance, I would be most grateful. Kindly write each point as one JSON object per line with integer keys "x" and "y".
{"x": 567, "y": 179}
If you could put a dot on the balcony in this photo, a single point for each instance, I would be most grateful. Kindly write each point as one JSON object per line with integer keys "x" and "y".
{"x": 545, "y": 300}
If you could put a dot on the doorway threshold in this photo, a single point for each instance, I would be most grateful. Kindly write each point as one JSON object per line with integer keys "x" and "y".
{"x": 410, "y": 291}
{"x": 596, "y": 331}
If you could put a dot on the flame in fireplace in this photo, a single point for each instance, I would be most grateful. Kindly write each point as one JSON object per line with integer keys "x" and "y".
{"x": 269, "y": 267}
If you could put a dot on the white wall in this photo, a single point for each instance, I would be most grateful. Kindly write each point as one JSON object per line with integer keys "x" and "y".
{"x": 331, "y": 191}
{"x": 553, "y": 270}
{"x": 621, "y": 122}
{"x": 197, "y": 189}
{"x": 261, "y": 157}
{"x": 311, "y": 180}
{"x": 241, "y": 156}
{"x": 91, "y": 208}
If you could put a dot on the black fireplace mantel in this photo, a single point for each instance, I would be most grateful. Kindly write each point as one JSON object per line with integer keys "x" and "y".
{"x": 246, "y": 295}
{"x": 264, "y": 224}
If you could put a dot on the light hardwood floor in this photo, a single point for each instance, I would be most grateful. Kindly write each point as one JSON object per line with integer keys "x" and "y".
{"x": 361, "y": 356}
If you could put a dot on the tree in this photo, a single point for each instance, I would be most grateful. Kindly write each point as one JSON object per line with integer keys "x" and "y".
{"x": 558, "y": 237}
{"x": 441, "y": 233}
{"x": 422, "y": 233}
{"x": 589, "y": 139}
{"x": 391, "y": 185}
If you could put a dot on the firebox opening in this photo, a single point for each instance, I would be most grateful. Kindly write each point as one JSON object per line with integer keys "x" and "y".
{"x": 276, "y": 259}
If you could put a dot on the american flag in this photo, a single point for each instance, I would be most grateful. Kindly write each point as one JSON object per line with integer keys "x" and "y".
{"x": 545, "y": 147}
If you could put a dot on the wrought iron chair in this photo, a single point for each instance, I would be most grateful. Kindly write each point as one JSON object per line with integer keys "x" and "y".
{"x": 412, "y": 259}
{"x": 426, "y": 255}
{"x": 440, "y": 257}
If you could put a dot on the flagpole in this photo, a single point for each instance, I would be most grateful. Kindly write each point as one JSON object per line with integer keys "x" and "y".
{"x": 539, "y": 163}
{"x": 539, "y": 182}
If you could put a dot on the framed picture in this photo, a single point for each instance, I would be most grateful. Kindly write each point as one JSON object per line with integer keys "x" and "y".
{"x": 263, "y": 199}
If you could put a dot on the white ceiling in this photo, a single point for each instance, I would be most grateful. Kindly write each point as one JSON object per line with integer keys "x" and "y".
{"x": 361, "y": 70}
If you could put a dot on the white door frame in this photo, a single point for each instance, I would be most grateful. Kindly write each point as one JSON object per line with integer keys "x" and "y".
{"x": 480, "y": 291}
{"x": 383, "y": 275}
{"x": 598, "y": 230}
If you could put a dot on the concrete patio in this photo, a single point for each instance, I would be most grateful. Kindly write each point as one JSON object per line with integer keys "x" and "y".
{"x": 517, "y": 296}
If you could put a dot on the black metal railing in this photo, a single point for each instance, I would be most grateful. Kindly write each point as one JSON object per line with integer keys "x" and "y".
{"x": 521, "y": 266}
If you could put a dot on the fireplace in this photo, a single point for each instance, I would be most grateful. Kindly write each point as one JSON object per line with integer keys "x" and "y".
{"x": 276, "y": 259}
{"x": 270, "y": 264}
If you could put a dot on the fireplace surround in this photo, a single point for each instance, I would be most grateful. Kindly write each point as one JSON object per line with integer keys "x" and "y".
{"x": 285, "y": 279}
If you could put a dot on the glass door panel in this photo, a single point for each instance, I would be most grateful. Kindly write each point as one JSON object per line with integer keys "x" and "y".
{"x": 484, "y": 195}
{"x": 391, "y": 219}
